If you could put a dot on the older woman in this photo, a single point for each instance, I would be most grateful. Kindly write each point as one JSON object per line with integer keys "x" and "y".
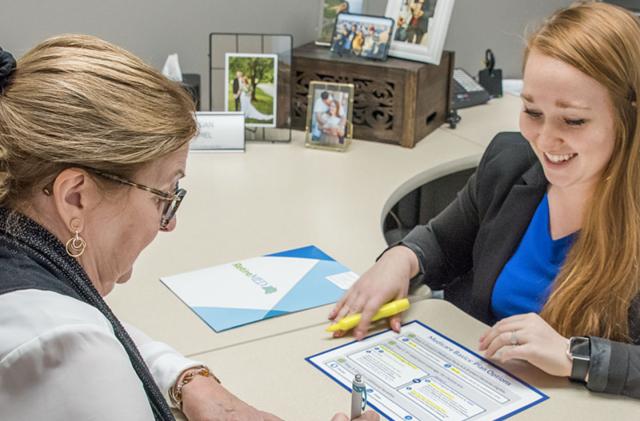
{"x": 93, "y": 143}
{"x": 546, "y": 234}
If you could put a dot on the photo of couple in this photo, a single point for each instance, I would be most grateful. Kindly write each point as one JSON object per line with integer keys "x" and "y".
{"x": 412, "y": 22}
{"x": 252, "y": 87}
{"x": 330, "y": 113}
{"x": 362, "y": 36}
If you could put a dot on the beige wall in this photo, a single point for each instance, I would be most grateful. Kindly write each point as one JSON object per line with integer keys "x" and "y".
{"x": 153, "y": 29}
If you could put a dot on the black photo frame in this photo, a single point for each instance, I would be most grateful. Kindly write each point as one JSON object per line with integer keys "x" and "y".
{"x": 362, "y": 36}
{"x": 281, "y": 45}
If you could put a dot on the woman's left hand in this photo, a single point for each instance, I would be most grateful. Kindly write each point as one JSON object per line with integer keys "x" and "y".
{"x": 528, "y": 337}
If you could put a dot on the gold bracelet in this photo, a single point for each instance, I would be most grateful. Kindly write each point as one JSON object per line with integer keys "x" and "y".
{"x": 175, "y": 393}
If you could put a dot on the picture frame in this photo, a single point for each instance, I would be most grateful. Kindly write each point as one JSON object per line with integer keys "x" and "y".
{"x": 221, "y": 43}
{"x": 420, "y": 29}
{"x": 219, "y": 132}
{"x": 251, "y": 86}
{"x": 362, "y": 36}
{"x": 329, "y": 115}
{"x": 329, "y": 10}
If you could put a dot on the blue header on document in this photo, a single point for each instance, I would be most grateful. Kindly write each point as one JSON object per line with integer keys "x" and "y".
{"x": 247, "y": 291}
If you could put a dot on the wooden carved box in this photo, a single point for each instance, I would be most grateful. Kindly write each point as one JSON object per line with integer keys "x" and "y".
{"x": 396, "y": 101}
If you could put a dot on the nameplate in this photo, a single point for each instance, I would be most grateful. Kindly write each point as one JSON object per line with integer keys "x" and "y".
{"x": 219, "y": 132}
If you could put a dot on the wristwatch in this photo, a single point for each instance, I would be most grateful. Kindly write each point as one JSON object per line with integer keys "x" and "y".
{"x": 579, "y": 352}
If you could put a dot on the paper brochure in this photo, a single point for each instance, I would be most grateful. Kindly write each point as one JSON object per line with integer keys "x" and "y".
{"x": 246, "y": 291}
{"x": 420, "y": 374}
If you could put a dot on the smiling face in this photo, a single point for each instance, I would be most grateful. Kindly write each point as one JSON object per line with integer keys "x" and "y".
{"x": 333, "y": 108}
{"x": 567, "y": 117}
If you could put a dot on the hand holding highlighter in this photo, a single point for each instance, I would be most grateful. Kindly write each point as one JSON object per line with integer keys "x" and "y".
{"x": 387, "y": 310}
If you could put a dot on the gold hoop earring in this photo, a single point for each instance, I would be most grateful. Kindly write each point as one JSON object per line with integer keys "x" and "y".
{"x": 76, "y": 245}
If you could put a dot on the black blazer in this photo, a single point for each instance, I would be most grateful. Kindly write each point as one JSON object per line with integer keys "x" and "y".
{"x": 474, "y": 237}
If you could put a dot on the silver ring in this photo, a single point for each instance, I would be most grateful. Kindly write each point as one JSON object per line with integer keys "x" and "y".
{"x": 514, "y": 338}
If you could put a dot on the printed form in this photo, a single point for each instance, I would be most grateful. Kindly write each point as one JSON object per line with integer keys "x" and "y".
{"x": 420, "y": 374}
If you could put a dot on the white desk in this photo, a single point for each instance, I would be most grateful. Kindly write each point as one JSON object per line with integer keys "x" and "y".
{"x": 277, "y": 197}
{"x": 272, "y": 374}
{"x": 281, "y": 196}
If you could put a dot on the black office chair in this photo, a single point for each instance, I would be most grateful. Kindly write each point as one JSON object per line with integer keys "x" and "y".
{"x": 418, "y": 207}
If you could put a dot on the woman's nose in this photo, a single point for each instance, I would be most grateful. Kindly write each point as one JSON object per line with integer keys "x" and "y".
{"x": 548, "y": 137}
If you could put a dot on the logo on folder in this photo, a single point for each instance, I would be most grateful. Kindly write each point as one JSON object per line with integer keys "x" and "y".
{"x": 268, "y": 289}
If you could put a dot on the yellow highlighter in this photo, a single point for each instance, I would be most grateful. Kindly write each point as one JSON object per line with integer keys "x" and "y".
{"x": 387, "y": 310}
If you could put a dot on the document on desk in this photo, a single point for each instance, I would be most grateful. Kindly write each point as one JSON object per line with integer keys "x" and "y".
{"x": 420, "y": 374}
{"x": 247, "y": 291}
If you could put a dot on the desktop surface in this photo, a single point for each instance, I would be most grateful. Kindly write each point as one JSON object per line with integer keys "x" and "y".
{"x": 299, "y": 391}
{"x": 277, "y": 197}
{"x": 282, "y": 196}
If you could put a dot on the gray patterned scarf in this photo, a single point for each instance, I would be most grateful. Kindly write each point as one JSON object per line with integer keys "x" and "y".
{"x": 24, "y": 240}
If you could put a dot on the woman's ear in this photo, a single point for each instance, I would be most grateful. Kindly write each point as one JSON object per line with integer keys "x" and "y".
{"x": 74, "y": 193}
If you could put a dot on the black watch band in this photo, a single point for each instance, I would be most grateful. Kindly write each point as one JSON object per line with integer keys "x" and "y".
{"x": 580, "y": 351}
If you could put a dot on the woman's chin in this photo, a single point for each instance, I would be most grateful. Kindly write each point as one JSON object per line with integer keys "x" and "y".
{"x": 124, "y": 277}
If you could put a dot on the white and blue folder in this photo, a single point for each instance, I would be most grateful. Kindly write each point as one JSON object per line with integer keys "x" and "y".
{"x": 247, "y": 291}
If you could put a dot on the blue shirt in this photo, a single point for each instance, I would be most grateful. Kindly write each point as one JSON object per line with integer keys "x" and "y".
{"x": 525, "y": 282}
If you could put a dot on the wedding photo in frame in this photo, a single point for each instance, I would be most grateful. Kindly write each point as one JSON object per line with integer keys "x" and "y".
{"x": 252, "y": 86}
{"x": 329, "y": 11}
{"x": 254, "y": 70}
{"x": 421, "y": 28}
{"x": 329, "y": 116}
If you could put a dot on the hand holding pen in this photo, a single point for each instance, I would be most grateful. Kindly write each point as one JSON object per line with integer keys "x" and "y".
{"x": 387, "y": 280}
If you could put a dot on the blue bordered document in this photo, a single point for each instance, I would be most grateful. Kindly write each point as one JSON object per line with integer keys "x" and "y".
{"x": 420, "y": 374}
{"x": 246, "y": 291}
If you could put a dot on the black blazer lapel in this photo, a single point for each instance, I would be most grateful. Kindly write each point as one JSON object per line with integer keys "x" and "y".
{"x": 502, "y": 236}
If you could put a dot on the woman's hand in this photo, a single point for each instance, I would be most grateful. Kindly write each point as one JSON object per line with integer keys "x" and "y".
{"x": 204, "y": 399}
{"x": 528, "y": 337}
{"x": 385, "y": 281}
{"x": 366, "y": 416}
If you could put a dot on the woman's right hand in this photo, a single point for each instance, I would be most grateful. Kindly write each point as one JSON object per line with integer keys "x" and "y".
{"x": 204, "y": 399}
{"x": 387, "y": 280}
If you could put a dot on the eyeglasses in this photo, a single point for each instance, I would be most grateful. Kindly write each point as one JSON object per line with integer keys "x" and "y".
{"x": 173, "y": 200}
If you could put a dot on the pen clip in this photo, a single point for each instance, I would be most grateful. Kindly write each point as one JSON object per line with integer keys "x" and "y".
{"x": 364, "y": 397}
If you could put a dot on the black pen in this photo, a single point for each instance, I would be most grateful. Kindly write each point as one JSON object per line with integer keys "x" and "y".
{"x": 358, "y": 396}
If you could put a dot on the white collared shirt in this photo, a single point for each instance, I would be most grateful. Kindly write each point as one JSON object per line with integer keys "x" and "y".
{"x": 60, "y": 360}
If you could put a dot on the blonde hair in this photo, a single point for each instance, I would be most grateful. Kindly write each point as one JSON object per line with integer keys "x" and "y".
{"x": 76, "y": 100}
{"x": 593, "y": 292}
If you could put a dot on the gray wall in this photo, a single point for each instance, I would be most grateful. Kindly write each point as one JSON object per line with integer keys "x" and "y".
{"x": 497, "y": 24}
{"x": 153, "y": 29}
